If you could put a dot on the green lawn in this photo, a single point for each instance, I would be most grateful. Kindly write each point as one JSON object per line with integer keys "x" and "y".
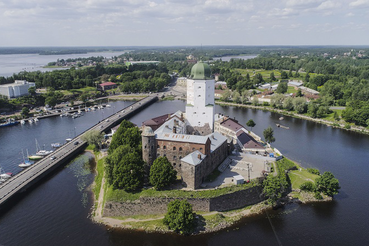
{"x": 291, "y": 89}
{"x": 98, "y": 177}
{"x": 330, "y": 116}
{"x": 298, "y": 177}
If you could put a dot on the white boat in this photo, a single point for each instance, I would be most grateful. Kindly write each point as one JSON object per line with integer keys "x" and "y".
{"x": 56, "y": 145}
{"x": 42, "y": 152}
{"x": 36, "y": 119}
{"x": 23, "y": 122}
{"x": 30, "y": 121}
{"x": 68, "y": 139}
{"x": 108, "y": 105}
{"x": 4, "y": 175}
{"x": 26, "y": 162}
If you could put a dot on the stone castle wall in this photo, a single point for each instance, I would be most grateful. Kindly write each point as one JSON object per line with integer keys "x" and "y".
{"x": 158, "y": 205}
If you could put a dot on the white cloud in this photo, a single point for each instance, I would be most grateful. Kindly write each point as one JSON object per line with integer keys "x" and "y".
{"x": 359, "y": 3}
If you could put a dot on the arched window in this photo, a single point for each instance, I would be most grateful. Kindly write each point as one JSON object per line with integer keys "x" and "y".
{"x": 145, "y": 146}
{"x": 174, "y": 148}
{"x": 200, "y": 148}
{"x": 180, "y": 148}
{"x": 174, "y": 164}
{"x": 180, "y": 157}
{"x": 180, "y": 165}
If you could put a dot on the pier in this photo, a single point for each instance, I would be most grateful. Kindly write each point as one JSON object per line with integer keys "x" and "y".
{"x": 36, "y": 172}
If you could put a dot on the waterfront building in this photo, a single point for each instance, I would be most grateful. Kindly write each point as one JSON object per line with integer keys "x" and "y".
{"x": 107, "y": 86}
{"x": 16, "y": 89}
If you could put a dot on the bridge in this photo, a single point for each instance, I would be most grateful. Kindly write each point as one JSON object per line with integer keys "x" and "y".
{"x": 36, "y": 172}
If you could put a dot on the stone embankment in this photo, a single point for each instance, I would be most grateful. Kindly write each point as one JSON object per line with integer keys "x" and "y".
{"x": 158, "y": 205}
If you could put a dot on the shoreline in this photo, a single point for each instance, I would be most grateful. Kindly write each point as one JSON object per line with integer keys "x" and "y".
{"x": 357, "y": 129}
{"x": 207, "y": 222}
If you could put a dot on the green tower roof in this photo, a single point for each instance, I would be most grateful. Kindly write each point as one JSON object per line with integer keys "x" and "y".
{"x": 200, "y": 71}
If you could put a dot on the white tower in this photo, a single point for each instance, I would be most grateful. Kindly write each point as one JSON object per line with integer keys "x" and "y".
{"x": 200, "y": 97}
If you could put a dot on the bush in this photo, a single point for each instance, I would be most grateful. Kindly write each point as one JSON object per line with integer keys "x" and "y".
{"x": 318, "y": 196}
{"x": 307, "y": 186}
{"x": 180, "y": 217}
{"x": 313, "y": 171}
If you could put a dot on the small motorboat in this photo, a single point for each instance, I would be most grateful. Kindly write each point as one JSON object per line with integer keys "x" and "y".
{"x": 56, "y": 145}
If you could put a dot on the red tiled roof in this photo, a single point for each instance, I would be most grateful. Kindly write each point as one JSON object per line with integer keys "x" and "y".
{"x": 231, "y": 124}
{"x": 107, "y": 83}
{"x": 158, "y": 121}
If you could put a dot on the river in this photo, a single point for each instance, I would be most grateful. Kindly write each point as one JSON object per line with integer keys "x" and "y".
{"x": 57, "y": 211}
{"x": 15, "y": 63}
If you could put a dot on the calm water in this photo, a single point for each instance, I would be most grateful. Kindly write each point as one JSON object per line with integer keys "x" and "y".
{"x": 16, "y": 63}
{"x": 56, "y": 212}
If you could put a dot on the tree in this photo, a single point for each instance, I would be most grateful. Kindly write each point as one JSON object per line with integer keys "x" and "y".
{"x": 93, "y": 137}
{"x": 127, "y": 133}
{"x": 284, "y": 75}
{"x": 269, "y": 135}
{"x": 299, "y": 104}
{"x": 327, "y": 184}
{"x": 336, "y": 117}
{"x": 272, "y": 77}
{"x": 277, "y": 100}
{"x": 162, "y": 173}
{"x": 51, "y": 101}
{"x": 128, "y": 174}
{"x": 299, "y": 93}
{"x": 288, "y": 103}
{"x": 180, "y": 217}
{"x": 272, "y": 188}
{"x": 32, "y": 91}
{"x": 282, "y": 88}
{"x": 25, "y": 112}
{"x": 114, "y": 158}
{"x": 251, "y": 124}
{"x": 225, "y": 96}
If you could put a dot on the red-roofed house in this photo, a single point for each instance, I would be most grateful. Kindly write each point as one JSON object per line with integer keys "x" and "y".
{"x": 107, "y": 86}
{"x": 248, "y": 143}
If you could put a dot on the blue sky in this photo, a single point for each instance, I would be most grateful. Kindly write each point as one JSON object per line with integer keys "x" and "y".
{"x": 183, "y": 22}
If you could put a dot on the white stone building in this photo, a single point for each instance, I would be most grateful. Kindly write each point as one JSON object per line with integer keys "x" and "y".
{"x": 16, "y": 89}
{"x": 200, "y": 97}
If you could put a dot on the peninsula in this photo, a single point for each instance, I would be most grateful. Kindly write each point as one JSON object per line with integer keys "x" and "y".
{"x": 206, "y": 166}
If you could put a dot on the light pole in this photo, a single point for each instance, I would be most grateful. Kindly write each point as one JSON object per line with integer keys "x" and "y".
{"x": 248, "y": 171}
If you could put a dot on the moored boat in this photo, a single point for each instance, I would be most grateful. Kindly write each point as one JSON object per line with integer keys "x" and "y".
{"x": 56, "y": 145}
{"x": 9, "y": 122}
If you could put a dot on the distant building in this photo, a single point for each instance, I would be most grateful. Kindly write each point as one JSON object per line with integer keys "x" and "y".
{"x": 107, "y": 86}
{"x": 16, "y": 89}
{"x": 222, "y": 84}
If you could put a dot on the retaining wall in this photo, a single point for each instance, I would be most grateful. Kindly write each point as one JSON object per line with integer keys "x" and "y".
{"x": 158, "y": 205}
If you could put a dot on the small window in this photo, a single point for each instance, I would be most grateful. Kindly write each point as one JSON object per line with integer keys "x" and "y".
{"x": 180, "y": 165}
{"x": 174, "y": 148}
{"x": 180, "y": 157}
{"x": 152, "y": 147}
{"x": 193, "y": 149}
{"x": 149, "y": 140}
{"x": 200, "y": 148}
{"x": 149, "y": 155}
{"x": 199, "y": 95}
{"x": 164, "y": 155}
{"x": 174, "y": 157}
{"x": 164, "y": 147}
{"x": 180, "y": 148}
{"x": 145, "y": 146}
{"x": 158, "y": 154}
{"x": 174, "y": 164}
{"x": 158, "y": 146}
